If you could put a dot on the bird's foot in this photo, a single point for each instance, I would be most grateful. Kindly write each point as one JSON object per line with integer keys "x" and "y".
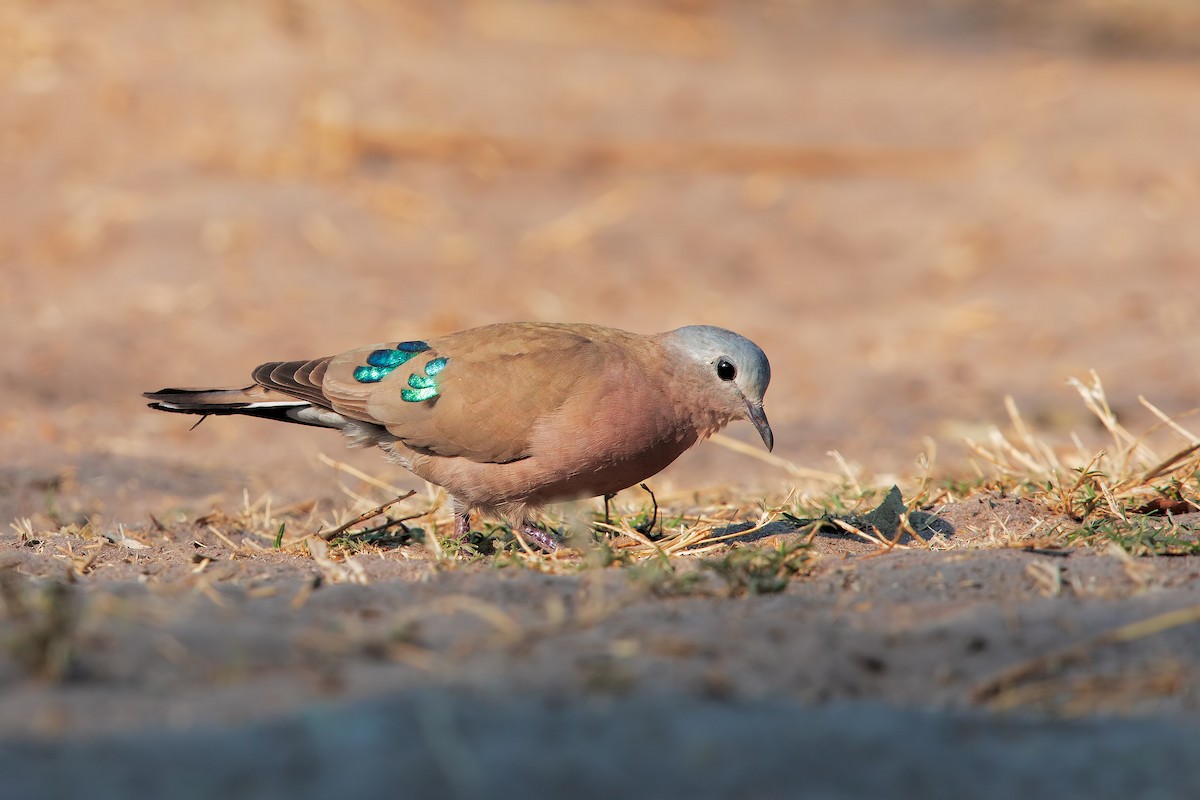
{"x": 462, "y": 525}
{"x": 544, "y": 540}
{"x": 548, "y": 542}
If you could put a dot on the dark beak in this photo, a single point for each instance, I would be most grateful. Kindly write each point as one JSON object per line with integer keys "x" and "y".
{"x": 759, "y": 418}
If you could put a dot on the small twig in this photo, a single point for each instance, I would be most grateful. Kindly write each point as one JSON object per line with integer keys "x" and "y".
{"x": 1170, "y": 464}
{"x": 879, "y": 541}
{"x": 366, "y": 515}
{"x": 1039, "y": 551}
{"x": 228, "y": 542}
{"x": 906, "y": 526}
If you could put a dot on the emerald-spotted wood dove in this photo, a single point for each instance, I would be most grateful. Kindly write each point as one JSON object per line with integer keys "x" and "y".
{"x": 512, "y": 416}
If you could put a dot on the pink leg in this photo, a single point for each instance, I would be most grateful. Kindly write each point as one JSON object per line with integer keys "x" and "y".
{"x": 546, "y": 541}
{"x": 462, "y": 524}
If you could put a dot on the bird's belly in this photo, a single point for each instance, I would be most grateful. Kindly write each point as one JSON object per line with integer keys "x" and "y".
{"x": 538, "y": 480}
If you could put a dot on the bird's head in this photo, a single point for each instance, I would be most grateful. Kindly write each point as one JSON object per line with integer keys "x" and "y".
{"x": 736, "y": 372}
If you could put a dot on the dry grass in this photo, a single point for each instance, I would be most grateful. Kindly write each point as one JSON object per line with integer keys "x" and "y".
{"x": 721, "y": 543}
{"x": 1128, "y": 492}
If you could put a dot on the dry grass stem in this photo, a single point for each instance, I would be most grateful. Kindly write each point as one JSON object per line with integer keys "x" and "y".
{"x": 790, "y": 468}
{"x": 348, "y": 570}
{"x": 228, "y": 542}
{"x": 357, "y": 473}
{"x": 366, "y": 515}
{"x": 886, "y": 544}
{"x": 1171, "y": 423}
{"x": 1125, "y": 477}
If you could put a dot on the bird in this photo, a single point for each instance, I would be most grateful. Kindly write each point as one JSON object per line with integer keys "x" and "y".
{"x": 512, "y": 416}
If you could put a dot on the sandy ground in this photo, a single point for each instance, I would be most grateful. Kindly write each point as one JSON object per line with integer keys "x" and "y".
{"x": 914, "y": 216}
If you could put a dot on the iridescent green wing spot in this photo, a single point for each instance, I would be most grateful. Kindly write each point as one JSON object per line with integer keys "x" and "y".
{"x": 381, "y": 362}
{"x": 424, "y": 387}
{"x": 370, "y": 374}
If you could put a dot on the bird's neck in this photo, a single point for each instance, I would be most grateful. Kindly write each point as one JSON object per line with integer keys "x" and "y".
{"x": 688, "y": 386}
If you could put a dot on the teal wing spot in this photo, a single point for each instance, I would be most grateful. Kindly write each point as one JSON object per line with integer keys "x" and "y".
{"x": 383, "y": 361}
{"x": 419, "y": 395}
{"x": 370, "y": 374}
{"x": 389, "y": 359}
{"x": 424, "y": 387}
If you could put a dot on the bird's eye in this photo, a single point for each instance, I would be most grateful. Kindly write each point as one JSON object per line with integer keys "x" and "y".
{"x": 726, "y": 371}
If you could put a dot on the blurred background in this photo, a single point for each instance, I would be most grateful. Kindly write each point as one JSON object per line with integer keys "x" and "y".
{"x": 915, "y": 208}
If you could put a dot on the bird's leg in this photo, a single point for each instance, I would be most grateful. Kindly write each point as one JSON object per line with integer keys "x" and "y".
{"x": 607, "y": 497}
{"x": 462, "y": 524}
{"x": 462, "y": 519}
{"x": 546, "y": 541}
{"x": 649, "y": 526}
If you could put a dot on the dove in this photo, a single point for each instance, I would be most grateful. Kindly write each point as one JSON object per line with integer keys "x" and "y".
{"x": 512, "y": 416}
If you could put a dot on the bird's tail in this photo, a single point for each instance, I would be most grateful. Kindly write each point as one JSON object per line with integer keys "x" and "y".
{"x": 253, "y": 401}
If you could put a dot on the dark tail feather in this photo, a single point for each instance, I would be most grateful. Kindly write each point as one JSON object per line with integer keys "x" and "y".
{"x": 252, "y": 401}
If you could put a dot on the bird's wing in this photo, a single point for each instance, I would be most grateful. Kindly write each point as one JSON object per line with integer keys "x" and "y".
{"x": 478, "y": 394}
{"x": 299, "y": 379}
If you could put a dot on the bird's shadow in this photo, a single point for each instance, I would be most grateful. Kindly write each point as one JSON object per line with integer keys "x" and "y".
{"x": 886, "y": 522}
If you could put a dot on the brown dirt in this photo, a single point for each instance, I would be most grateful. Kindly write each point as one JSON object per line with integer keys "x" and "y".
{"x": 914, "y": 217}
{"x": 189, "y": 631}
